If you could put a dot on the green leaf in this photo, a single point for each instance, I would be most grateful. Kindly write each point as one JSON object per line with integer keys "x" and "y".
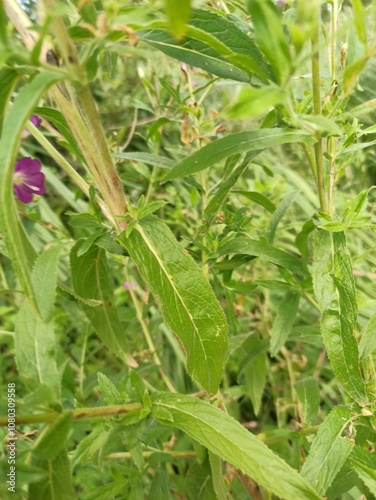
{"x": 8, "y": 79}
{"x": 367, "y": 344}
{"x": 214, "y": 44}
{"x": 107, "y": 388}
{"x": 35, "y": 346}
{"x": 335, "y": 292}
{"x": 329, "y": 450}
{"x": 254, "y": 370}
{"x": 232, "y": 144}
{"x": 91, "y": 444}
{"x": 44, "y": 279}
{"x": 359, "y": 18}
{"x": 91, "y": 281}
{"x": 149, "y": 159}
{"x": 195, "y": 53}
{"x": 286, "y": 314}
{"x": 334, "y": 226}
{"x": 278, "y": 215}
{"x": 258, "y": 198}
{"x": 220, "y": 196}
{"x": 137, "y": 385}
{"x": 271, "y": 37}
{"x": 254, "y": 102}
{"x": 151, "y": 207}
{"x": 159, "y": 489}
{"x": 228, "y": 439}
{"x": 178, "y": 16}
{"x": 58, "y": 484}
{"x": 308, "y": 393}
{"x": 220, "y": 489}
{"x": 51, "y": 441}
{"x": 187, "y": 302}
{"x": 364, "y": 463}
{"x": 18, "y": 245}
{"x": 58, "y": 120}
{"x": 247, "y": 246}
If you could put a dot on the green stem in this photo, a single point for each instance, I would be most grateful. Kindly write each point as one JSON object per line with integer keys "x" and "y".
{"x": 67, "y": 167}
{"x": 316, "y": 88}
{"x": 85, "y": 125}
{"x": 147, "y": 335}
{"x": 126, "y": 455}
{"x": 333, "y": 66}
{"x": 81, "y": 414}
{"x": 311, "y": 159}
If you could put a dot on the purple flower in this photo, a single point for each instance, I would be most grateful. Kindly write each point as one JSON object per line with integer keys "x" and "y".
{"x": 128, "y": 285}
{"x": 28, "y": 179}
{"x": 36, "y": 121}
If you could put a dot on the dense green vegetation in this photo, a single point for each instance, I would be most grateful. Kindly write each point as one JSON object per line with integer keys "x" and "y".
{"x": 188, "y": 294}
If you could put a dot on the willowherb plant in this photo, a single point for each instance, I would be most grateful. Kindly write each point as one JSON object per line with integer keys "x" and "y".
{"x": 187, "y": 276}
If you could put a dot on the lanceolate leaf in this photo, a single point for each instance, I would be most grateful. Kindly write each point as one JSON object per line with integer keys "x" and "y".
{"x": 186, "y": 299}
{"x": 228, "y": 439}
{"x": 58, "y": 483}
{"x": 367, "y": 344}
{"x": 213, "y": 43}
{"x": 283, "y": 322}
{"x": 220, "y": 196}
{"x": 308, "y": 393}
{"x": 329, "y": 450}
{"x": 232, "y": 144}
{"x": 19, "y": 248}
{"x": 8, "y": 79}
{"x": 247, "y": 246}
{"x": 35, "y": 346}
{"x": 364, "y": 463}
{"x": 91, "y": 281}
{"x": 44, "y": 278}
{"x": 335, "y": 292}
{"x": 270, "y": 36}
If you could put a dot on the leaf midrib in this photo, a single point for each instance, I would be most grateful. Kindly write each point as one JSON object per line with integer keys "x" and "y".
{"x": 172, "y": 284}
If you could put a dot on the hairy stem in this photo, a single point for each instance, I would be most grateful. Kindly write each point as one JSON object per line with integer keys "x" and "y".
{"x": 81, "y": 414}
{"x": 316, "y": 87}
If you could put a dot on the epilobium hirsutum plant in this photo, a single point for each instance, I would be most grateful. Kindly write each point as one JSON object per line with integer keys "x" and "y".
{"x": 189, "y": 309}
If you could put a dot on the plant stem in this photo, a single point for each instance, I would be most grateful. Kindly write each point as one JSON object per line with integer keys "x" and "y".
{"x": 333, "y": 66}
{"x": 146, "y": 454}
{"x": 316, "y": 88}
{"x": 147, "y": 335}
{"x": 81, "y": 414}
{"x": 67, "y": 167}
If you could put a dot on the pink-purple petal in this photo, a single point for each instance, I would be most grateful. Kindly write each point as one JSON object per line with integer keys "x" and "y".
{"x": 35, "y": 120}
{"x": 32, "y": 179}
{"x": 26, "y": 165}
{"x": 23, "y": 193}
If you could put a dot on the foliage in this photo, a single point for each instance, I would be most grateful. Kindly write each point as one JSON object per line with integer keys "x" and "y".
{"x": 189, "y": 310}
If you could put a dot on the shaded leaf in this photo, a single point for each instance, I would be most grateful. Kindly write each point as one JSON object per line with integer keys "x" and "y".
{"x": 58, "y": 483}
{"x": 91, "y": 281}
{"x": 44, "y": 279}
{"x": 35, "y": 346}
{"x": 329, "y": 450}
{"x": 282, "y": 325}
{"x": 308, "y": 393}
